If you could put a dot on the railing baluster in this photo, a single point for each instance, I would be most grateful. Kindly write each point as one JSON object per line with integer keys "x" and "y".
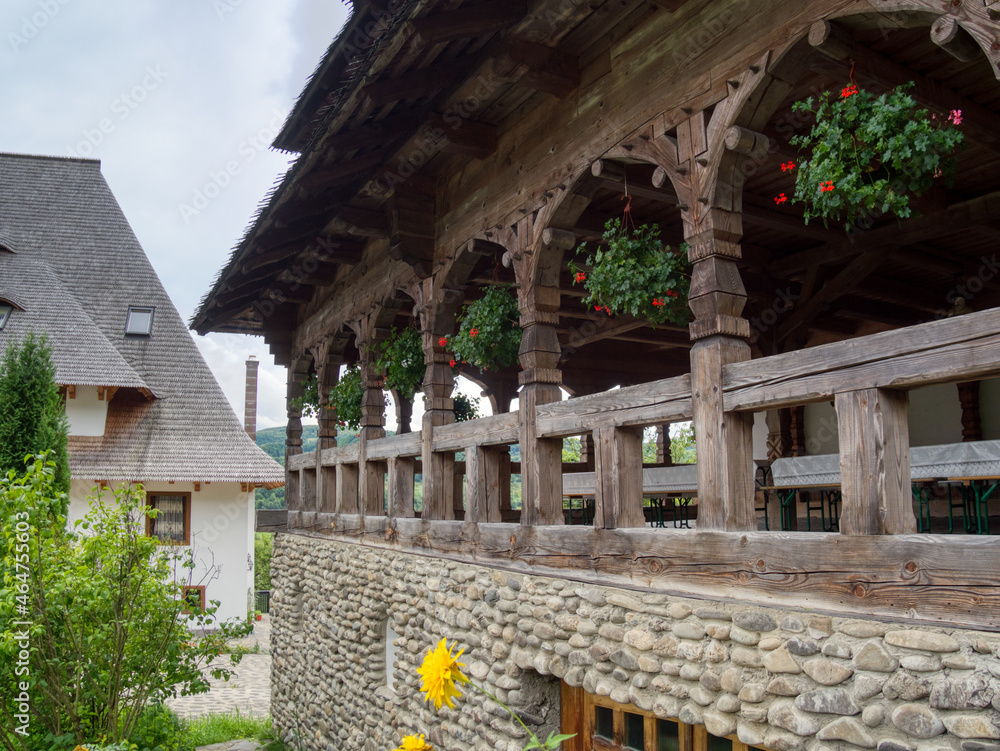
{"x": 875, "y": 463}
{"x": 401, "y": 476}
{"x": 618, "y": 480}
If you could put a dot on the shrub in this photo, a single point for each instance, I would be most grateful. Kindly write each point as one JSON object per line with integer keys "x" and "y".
{"x": 107, "y": 634}
{"x": 33, "y": 420}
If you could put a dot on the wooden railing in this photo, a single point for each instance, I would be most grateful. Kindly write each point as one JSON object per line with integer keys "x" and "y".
{"x": 876, "y": 565}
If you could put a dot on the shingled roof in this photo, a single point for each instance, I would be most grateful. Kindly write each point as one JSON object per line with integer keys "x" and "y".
{"x": 71, "y": 264}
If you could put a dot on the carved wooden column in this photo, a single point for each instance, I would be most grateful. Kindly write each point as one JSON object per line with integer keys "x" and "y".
{"x": 663, "y": 453}
{"x": 293, "y": 438}
{"x": 437, "y": 310}
{"x": 725, "y": 440}
{"x": 541, "y": 458}
{"x": 327, "y": 373}
{"x": 972, "y": 424}
{"x": 404, "y": 412}
{"x": 371, "y": 482}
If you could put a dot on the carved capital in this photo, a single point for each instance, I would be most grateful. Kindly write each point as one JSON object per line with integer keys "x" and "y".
{"x": 540, "y": 375}
{"x": 720, "y": 325}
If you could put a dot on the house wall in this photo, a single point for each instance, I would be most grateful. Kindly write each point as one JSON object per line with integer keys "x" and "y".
{"x": 222, "y": 520}
{"x": 86, "y": 413}
{"x": 779, "y": 679}
{"x": 935, "y": 417}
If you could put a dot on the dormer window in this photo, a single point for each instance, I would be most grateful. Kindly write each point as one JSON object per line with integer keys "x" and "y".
{"x": 5, "y": 310}
{"x": 139, "y": 321}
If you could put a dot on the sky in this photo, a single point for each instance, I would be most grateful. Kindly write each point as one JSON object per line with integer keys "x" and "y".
{"x": 180, "y": 101}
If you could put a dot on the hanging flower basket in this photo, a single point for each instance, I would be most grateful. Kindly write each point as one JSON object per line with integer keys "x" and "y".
{"x": 631, "y": 271}
{"x": 489, "y": 333}
{"x": 401, "y": 358}
{"x": 867, "y": 155}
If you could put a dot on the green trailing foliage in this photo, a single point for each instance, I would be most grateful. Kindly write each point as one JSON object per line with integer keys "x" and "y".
{"x": 465, "y": 408}
{"x": 489, "y": 331}
{"x": 632, "y": 272}
{"x": 867, "y": 154}
{"x": 108, "y": 628}
{"x": 401, "y": 358}
{"x": 346, "y": 397}
{"x": 32, "y": 418}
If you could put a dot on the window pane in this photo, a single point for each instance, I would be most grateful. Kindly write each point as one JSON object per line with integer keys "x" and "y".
{"x": 719, "y": 744}
{"x": 4, "y": 313}
{"x": 168, "y": 526}
{"x": 139, "y": 321}
{"x": 604, "y": 725}
{"x": 668, "y": 736}
{"x": 635, "y": 732}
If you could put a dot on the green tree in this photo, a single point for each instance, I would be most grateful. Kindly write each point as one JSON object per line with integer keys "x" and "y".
{"x": 32, "y": 418}
{"x": 93, "y": 621}
{"x": 263, "y": 544}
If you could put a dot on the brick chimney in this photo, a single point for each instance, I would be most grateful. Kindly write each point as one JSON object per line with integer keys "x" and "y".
{"x": 250, "y": 402}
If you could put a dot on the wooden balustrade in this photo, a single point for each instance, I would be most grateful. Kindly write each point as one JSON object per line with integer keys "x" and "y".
{"x": 867, "y": 378}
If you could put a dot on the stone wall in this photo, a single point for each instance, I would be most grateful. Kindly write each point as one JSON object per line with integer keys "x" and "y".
{"x": 784, "y": 680}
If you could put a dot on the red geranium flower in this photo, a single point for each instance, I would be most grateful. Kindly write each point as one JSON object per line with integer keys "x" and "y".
{"x": 780, "y": 198}
{"x": 580, "y": 277}
{"x": 787, "y": 167}
{"x": 452, "y": 363}
{"x": 443, "y": 341}
{"x": 826, "y": 187}
{"x": 473, "y": 333}
{"x": 848, "y": 91}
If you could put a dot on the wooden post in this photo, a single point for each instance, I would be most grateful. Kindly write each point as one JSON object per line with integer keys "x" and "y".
{"x": 875, "y": 463}
{"x": 618, "y": 479}
{"x": 541, "y": 458}
{"x": 972, "y": 423}
{"x": 347, "y": 489}
{"x": 482, "y": 483}
{"x": 588, "y": 452}
{"x": 372, "y": 479}
{"x": 401, "y": 474}
{"x": 326, "y": 435}
{"x": 725, "y": 440}
{"x": 293, "y": 439}
{"x": 438, "y": 468}
{"x": 404, "y": 412}
{"x": 663, "y": 453}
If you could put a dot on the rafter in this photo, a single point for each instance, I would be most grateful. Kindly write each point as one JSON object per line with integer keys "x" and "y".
{"x": 538, "y": 67}
{"x": 467, "y": 21}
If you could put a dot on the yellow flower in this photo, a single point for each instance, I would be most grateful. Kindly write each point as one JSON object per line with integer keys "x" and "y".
{"x": 413, "y": 743}
{"x": 440, "y": 671}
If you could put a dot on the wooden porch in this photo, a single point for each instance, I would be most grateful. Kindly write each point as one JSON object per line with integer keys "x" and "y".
{"x": 876, "y": 565}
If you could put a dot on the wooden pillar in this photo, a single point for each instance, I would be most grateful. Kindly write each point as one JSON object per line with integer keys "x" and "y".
{"x": 720, "y": 334}
{"x": 588, "y": 452}
{"x": 483, "y": 478}
{"x": 372, "y": 474}
{"x": 796, "y": 431}
{"x": 347, "y": 489}
{"x": 972, "y": 424}
{"x": 875, "y": 463}
{"x": 404, "y": 412}
{"x": 438, "y": 468}
{"x": 618, "y": 479}
{"x": 293, "y": 439}
{"x": 541, "y": 458}
{"x": 663, "y": 453}
{"x": 326, "y": 436}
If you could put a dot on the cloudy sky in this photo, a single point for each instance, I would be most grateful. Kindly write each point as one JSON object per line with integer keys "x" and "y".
{"x": 168, "y": 95}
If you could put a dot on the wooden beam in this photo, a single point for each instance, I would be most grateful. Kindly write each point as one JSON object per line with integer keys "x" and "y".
{"x": 672, "y": 5}
{"x": 460, "y": 135}
{"x": 848, "y": 278}
{"x": 368, "y": 134}
{"x": 415, "y": 84}
{"x": 872, "y": 68}
{"x": 467, "y": 21}
{"x": 618, "y": 478}
{"x": 958, "y": 217}
{"x": 949, "y": 35}
{"x": 912, "y": 579}
{"x": 538, "y": 67}
{"x": 352, "y": 220}
{"x": 323, "y": 178}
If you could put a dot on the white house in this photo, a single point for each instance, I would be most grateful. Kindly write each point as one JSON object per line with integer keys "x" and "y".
{"x": 143, "y": 406}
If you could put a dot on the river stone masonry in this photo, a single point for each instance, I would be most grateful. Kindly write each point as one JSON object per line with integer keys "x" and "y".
{"x": 782, "y": 680}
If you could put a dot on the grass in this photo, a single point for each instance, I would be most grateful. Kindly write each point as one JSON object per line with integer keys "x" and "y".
{"x": 217, "y": 728}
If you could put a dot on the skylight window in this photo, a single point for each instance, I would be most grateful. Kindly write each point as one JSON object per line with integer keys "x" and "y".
{"x": 5, "y": 311}
{"x": 139, "y": 321}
